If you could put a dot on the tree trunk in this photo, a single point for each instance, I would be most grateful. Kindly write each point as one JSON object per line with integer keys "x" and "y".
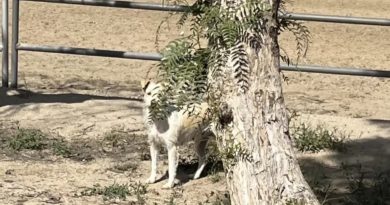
{"x": 253, "y": 127}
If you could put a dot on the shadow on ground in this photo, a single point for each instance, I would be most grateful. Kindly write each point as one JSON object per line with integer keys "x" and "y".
{"x": 359, "y": 176}
{"x": 125, "y": 147}
{"x": 14, "y": 101}
{"x": 35, "y": 145}
{"x": 24, "y": 96}
{"x": 381, "y": 123}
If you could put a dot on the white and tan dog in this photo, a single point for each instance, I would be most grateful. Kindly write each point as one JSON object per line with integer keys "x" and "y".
{"x": 178, "y": 128}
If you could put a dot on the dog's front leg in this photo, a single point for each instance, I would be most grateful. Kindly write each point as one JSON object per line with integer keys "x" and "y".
{"x": 172, "y": 165}
{"x": 153, "y": 156}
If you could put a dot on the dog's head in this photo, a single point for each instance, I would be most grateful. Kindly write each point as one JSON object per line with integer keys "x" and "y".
{"x": 150, "y": 90}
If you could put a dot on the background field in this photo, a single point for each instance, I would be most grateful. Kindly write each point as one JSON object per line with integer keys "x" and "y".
{"x": 81, "y": 99}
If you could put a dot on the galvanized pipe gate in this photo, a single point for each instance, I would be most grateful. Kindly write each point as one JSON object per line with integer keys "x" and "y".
{"x": 16, "y": 46}
{"x": 4, "y": 46}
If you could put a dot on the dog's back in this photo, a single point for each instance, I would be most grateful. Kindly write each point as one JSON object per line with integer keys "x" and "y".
{"x": 192, "y": 125}
{"x": 180, "y": 126}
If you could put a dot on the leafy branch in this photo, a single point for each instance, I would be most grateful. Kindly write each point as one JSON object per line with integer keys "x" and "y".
{"x": 189, "y": 63}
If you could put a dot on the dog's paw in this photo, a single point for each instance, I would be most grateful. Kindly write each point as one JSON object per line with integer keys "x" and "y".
{"x": 151, "y": 180}
{"x": 169, "y": 185}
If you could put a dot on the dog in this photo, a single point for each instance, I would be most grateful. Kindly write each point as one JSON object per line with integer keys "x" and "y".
{"x": 178, "y": 128}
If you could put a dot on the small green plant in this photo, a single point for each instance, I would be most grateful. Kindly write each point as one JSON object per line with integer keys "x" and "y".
{"x": 120, "y": 191}
{"x": 32, "y": 139}
{"x": 177, "y": 193}
{"x": 217, "y": 198}
{"x": 92, "y": 191}
{"x": 61, "y": 148}
{"x": 124, "y": 167}
{"x": 109, "y": 192}
{"x": 115, "y": 137}
{"x": 215, "y": 159}
{"x": 215, "y": 177}
{"x": 116, "y": 191}
{"x": 222, "y": 200}
{"x": 170, "y": 201}
{"x": 314, "y": 139}
{"x": 139, "y": 190}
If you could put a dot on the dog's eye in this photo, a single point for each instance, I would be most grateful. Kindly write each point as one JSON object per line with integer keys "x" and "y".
{"x": 148, "y": 93}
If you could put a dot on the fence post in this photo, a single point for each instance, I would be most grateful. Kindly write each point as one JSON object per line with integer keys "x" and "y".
{"x": 4, "y": 38}
{"x": 14, "y": 46}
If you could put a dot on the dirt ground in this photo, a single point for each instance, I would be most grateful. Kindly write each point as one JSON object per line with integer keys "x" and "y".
{"x": 81, "y": 99}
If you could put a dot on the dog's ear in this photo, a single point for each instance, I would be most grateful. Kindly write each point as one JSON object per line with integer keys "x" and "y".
{"x": 145, "y": 84}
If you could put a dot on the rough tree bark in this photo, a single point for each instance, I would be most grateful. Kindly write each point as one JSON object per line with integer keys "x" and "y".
{"x": 267, "y": 171}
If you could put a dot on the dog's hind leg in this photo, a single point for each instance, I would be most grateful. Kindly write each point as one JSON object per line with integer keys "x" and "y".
{"x": 200, "y": 149}
{"x": 172, "y": 165}
{"x": 153, "y": 156}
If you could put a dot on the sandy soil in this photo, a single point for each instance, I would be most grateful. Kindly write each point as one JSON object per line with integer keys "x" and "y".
{"x": 80, "y": 99}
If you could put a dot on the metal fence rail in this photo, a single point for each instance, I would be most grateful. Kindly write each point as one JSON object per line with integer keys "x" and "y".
{"x": 90, "y": 52}
{"x": 337, "y": 70}
{"x": 157, "y": 57}
{"x": 120, "y": 4}
{"x": 182, "y": 8}
{"x": 337, "y": 19}
{"x": 177, "y": 8}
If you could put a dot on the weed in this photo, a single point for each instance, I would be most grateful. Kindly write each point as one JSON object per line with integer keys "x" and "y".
{"x": 170, "y": 201}
{"x": 116, "y": 191}
{"x": 115, "y": 137}
{"x": 33, "y": 139}
{"x": 215, "y": 158}
{"x": 28, "y": 139}
{"x": 222, "y": 200}
{"x": 314, "y": 139}
{"x": 124, "y": 167}
{"x": 357, "y": 115}
{"x": 61, "y": 148}
{"x": 120, "y": 191}
{"x": 217, "y": 198}
{"x": 92, "y": 191}
{"x": 215, "y": 177}
{"x": 365, "y": 190}
{"x": 139, "y": 190}
{"x": 213, "y": 152}
{"x": 177, "y": 193}
{"x": 320, "y": 184}
{"x": 109, "y": 192}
